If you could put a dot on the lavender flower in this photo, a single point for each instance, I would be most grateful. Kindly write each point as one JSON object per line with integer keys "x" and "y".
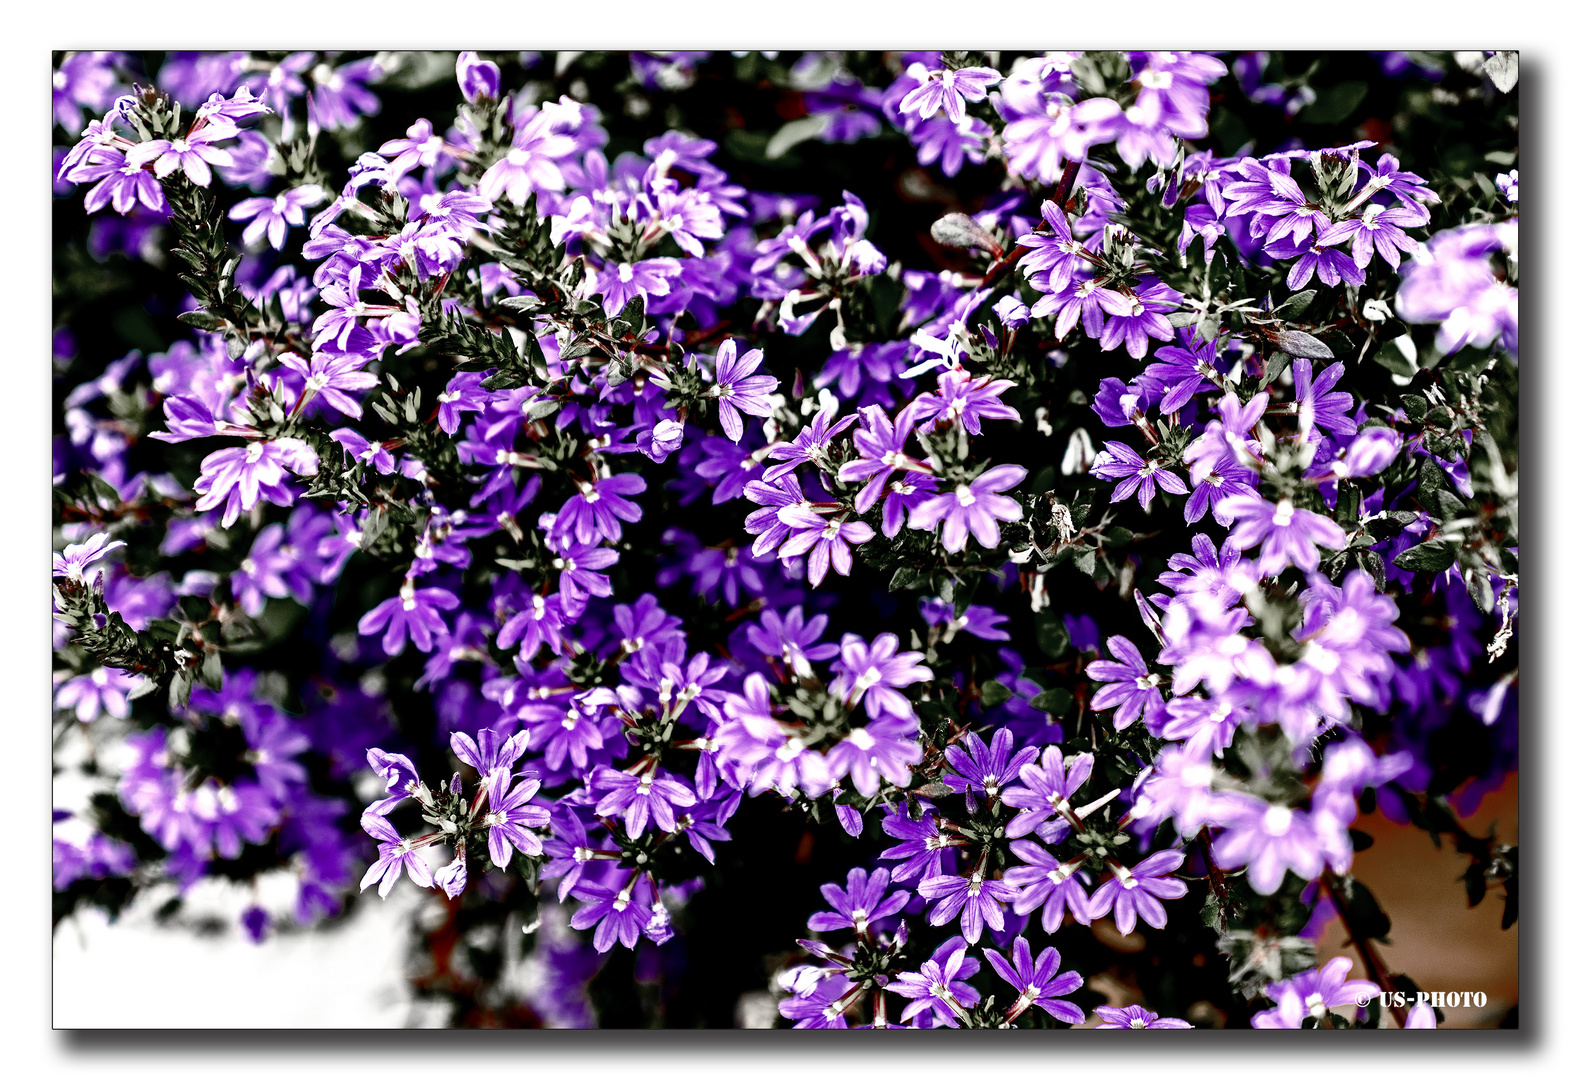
{"x": 738, "y": 389}
{"x": 412, "y": 615}
{"x": 948, "y": 90}
{"x": 936, "y": 987}
{"x": 861, "y": 903}
{"x": 1139, "y": 890}
{"x": 1135, "y": 474}
{"x": 394, "y": 856}
{"x": 1035, "y": 981}
{"x": 875, "y": 673}
{"x": 1285, "y": 534}
{"x": 1135, "y": 1016}
{"x": 972, "y": 509}
{"x": 1130, "y": 686}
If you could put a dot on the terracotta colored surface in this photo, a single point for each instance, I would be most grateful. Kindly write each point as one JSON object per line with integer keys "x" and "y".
{"x": 1436, "y": 939}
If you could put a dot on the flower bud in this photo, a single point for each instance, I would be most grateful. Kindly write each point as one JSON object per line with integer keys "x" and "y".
{"x": 478, "y": 79}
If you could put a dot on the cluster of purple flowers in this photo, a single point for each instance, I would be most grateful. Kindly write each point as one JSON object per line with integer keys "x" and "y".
{"x": 580, "y": 370}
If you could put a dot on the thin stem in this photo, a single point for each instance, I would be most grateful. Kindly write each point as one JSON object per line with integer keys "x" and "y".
{"x": 1373, "y": 964}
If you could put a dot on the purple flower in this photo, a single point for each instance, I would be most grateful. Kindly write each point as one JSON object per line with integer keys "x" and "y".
{"x": 972, "y": 509}
{"x": 593, "y": 513}
{"x": 1316, "y": 258}
{"x": 922, "y": 844}
{"x": 1145, "y": 318}
{"x": 975, "y": 899}
{"x": 1311, "y": 994}
{"x": 76, "y": 558}
{"x": 962, "y": 399}
{"x": 1054, "y": 127}
{"x": 1089, "y": 301}
{"x": 509, "y": 820}
{"x": 936, "y": 986}
{"x": 613, "y": 911}
{"x": 738, "y": 389}
{"x": 1052, "y": 259}
{"x": 1043, "y": 793}
{"x": 412, "y": 614}
{"x": 884, "y": 749}
{"x": 1269, "y": 838}
{"x": 1285, "y": 534}
{"x": 1044, "y": 882}
{"x": 977, "y": 620}
{"x": 394, "y": 856}
{"x": 192, "y": 154}
{"x": 1035, "y": 981}
{"x": 1183, "y": 369}
{"x": 1130, "y": 686}
{"x": 123, "y": 184}
{"x": 791, "y": 639}
{"x": 579, "y": 565}
{"x": 478, "y": 79}
{"x": 810, "y": 446}
{"x": 1387, "y": 175}
{"x": 620, "y": 282}
{"x": 984, "y": 768}
{"x": 824, "y": 1005}
{"x": 825, "y": 540}
{"x": 1378, "y": 229}
{"x": 492, "y": 752}
{"x": 238, "y": 477}
{"x": 1134, "y": 1016}
{"x": 334, "y": 376}
{"x": 640, "y": 798}
{"x": 948, "y": 90}
{"x": 882, "y": 446}
{"x": 861, "y": 903}
{"x": 875, "y": 673}
{"x": 1135, "y": 891}
{"x": 1453, "y": 281}
{"x": 1317, "y": 404}
{"x": 1135, "y": 474}
{"x": 103, "y": 690}
{"x": 1215, "y": 482}
{"x": 538, "y": 621}
{"x": 530, "y": 164}
{"x": 274, "y": 216}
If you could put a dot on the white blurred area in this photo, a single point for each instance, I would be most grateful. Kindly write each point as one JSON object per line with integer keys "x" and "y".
{"x": 134, "y": 973}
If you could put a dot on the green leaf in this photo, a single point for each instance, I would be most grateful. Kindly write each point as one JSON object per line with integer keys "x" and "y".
{"x": 1085, "y": 561}
{"x": 995, "y": 693}
{"x": 203, "y": 320}
{"x": 1054, "y": 702}
{"x": 1432, "y": 557}
{"x": 521, "y": 303}
{"x": 630, "y": 320}
{"x": 794, "y": 132}
{"x": 1294, "y": 305}
{"x": 1394, "y": 360}
{"x": 1482, "y": 592}
{"x": 1335, "y": 104}
{"x": 1300, "y": 344}
{"x": 1366, "y": 919}
{"x": 1051, "y": 637}
{"x": 1274, "y": 367}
